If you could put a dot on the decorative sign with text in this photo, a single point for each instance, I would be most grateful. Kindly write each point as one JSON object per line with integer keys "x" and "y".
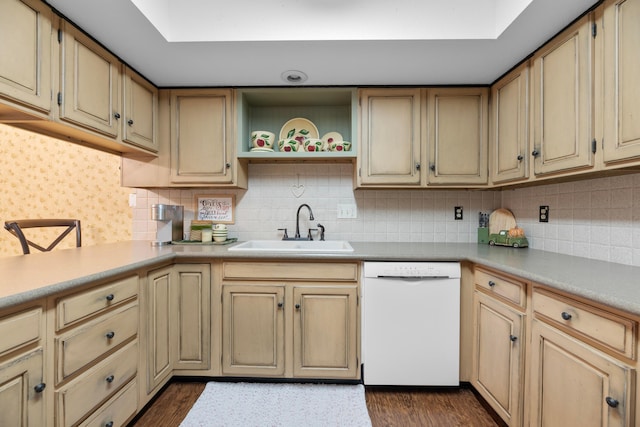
{"x": 218, "y": 209}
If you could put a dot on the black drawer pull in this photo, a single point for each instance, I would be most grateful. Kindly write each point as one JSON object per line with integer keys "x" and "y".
{"x": 513, "y": 338}
{"x": 110, "y": 335}
{"x": 492, "y": 283}
{"x": 110, "y": 297}
{"x": 108, "y": 424}
{"x": 40, "y": 387}
{"x": 110, "y": 379}
{"x": 565, "y": 315}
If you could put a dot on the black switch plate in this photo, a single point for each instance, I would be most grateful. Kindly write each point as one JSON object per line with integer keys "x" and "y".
{"x": 544, "y": 214}
{"x": 457, "y": 213}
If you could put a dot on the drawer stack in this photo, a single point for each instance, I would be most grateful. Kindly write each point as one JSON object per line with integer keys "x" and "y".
{"x": 96, "y": 355}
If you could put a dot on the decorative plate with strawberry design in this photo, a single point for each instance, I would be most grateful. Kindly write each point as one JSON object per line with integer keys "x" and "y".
{"x": 299, "y": 129}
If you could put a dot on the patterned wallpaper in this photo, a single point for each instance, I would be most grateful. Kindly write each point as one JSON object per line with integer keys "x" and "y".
{"x": 42, "y": 177}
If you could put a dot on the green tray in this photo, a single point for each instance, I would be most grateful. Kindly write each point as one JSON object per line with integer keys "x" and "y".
{"x": 197, "y": 242}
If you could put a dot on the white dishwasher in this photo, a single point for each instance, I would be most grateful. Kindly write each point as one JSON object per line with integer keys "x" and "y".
{"x": 411, "y": 323}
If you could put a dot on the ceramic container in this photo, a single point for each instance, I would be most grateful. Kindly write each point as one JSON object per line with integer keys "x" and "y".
{"x": 288, "y": 145}
{"x": 313, "y": 144}
{"x": 262, "y": 139}
{"x": 340, "y": 146}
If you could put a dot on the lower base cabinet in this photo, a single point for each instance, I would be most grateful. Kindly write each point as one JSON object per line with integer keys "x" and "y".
{"x": 573, "y": 384}
{"x": 22, "y": 402}
{"x": 281, "y": 320}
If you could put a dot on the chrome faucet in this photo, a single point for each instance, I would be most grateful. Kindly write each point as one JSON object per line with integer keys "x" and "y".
{"x": 297, "y": 235}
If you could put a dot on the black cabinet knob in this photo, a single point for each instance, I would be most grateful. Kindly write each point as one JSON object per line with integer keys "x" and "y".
{"x": 513, "y": 338}
{"x": 110, "y": 379}
{"x": 433, "y": 167}
{"x": 611, "y": 402}
{"x": 280, "y": 305}
{"x": 40, "y": 387}
{"x": 565, "y": 315}
{"x": 110, "y": 297}
{"x": 116, "y": 115}
{"x": 297, "y": 306}
{"x": 492, "y": 283}
{"x": 535, "y": 153}
{"x": 110, "y": 334}
{"x": 130, "y": 122}
{"x": 520, "y": 158}
{"x": 228, "y": 165}
{"x": 417, "y": 166}
{"x": 108, "y": 424}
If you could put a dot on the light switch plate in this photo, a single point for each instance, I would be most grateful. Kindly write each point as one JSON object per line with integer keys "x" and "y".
{"x": 347, "y": 211}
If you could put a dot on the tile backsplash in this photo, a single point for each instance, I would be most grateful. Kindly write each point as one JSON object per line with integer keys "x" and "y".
{"x": 595, "y": 218}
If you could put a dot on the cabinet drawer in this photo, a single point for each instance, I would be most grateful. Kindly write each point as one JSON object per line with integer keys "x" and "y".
{"x": 80, "y": 397}
{"x": 118, "y": 410}
{"x": 506, "y": 288}
{"x": 84, "y": 344}
{"x": 79, "y": 306}
{"x": 17, "y": 330}
{"x": 609, "y": 330}
{"x": 291, "y": 271}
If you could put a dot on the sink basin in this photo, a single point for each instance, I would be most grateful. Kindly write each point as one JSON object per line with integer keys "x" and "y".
{"x": 294, "y": 246}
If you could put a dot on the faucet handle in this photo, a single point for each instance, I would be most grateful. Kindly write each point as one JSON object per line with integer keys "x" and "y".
{"x": 285, "y": 237}
{"x": 321, "y": 227}
{"x": 310, "y": 237}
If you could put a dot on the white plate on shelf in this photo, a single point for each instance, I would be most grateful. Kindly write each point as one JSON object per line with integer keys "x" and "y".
{"x": 262, "y": 150}
{"x": 299, "y": 127}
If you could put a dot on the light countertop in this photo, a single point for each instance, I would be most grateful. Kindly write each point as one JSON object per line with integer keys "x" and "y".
{"x": 27, "y": 277}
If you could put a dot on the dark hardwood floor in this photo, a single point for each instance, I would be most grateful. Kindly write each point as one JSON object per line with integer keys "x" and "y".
{"x": 387, "y": 406}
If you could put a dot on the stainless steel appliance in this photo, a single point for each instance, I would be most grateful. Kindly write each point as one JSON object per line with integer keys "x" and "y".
{"x": 411, "y": 323}
{"x": 170, "y": 223}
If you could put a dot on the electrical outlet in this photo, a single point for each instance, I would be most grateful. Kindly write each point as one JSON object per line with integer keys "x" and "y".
{"x": 347, "y": 211}
{"x": 544, "y": 214}
{"x": 132, "y": 200}
{"x": 457, "y": 213}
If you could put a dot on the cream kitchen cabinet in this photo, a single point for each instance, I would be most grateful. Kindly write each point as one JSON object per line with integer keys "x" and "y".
{"x": 26, "y": 60}
{"x": 23, "y": 393}
{"x": 499, "y": 344}
{"x": 95, "y": 340}
{"x": 578, "y": 371}
{"x": 177, "y": 323}
{"x": 457, "y": 137}
{"x": 562, "y": 101}
{"x": 509, "y": 127}
{"x": 202, "y": 136}
{"x": 621, "y": 88}
{"x": 89, "y": 83}
{"x": 390, "y": 151}
{"x": 290, "y": 319}
{"x": 140, "y": 111}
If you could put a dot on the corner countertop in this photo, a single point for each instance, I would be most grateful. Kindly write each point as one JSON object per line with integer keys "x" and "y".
{"x": 27, "y": 277}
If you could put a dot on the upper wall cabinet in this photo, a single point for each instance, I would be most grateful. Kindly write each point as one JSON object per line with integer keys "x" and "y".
{"x": 621, "y": 87}
{"x": 270, "y": 109}
{"x": 25, "y": 58}
{"x": 562, "y": 101}
{"x": 457, "y": 137}
{"x": 390, "y": 143}
{"x": 509, "y": 127}
{"x": 90, "y": 83}
{"x": 202, "y": 142}
{"x": 140, "y": 112}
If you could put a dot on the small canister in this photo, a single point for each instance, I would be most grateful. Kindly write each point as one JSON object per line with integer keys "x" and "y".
{"x": 207, "y": 235}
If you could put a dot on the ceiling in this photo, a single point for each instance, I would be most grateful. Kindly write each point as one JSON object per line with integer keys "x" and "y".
{"x": 333, "y": 42}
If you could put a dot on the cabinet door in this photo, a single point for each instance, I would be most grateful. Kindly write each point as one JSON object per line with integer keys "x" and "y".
{"x": 562, "y": 101}
{"x": 574, "y": 384}
{"x": 90, "y": 83}
{"x": 621, "y": 85}
{"x": 498, "y": 354}
{"x": 509, "y": 143}
{"x": 458, "y": 153}
{"x": 201, "y": 136}
{"x": 158, "y": 320}
{"x": 325, "y": 331}
{"x": 192, "y": 316}
{"x": 22, "y": 403}
{"x": 140, "y": 117}
{"x": 389, "y": 152}
{"x": 25, "y": 62}
{"x": 253, "y": 330}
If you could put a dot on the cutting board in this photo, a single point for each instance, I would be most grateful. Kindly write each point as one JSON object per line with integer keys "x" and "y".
{"x": 501, "y": 219}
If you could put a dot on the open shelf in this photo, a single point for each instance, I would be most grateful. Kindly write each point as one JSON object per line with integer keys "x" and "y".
{"x": 330, "y": 109}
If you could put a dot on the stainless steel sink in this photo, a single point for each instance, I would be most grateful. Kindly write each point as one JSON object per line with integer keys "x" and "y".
{"x": 294, "y": 246}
